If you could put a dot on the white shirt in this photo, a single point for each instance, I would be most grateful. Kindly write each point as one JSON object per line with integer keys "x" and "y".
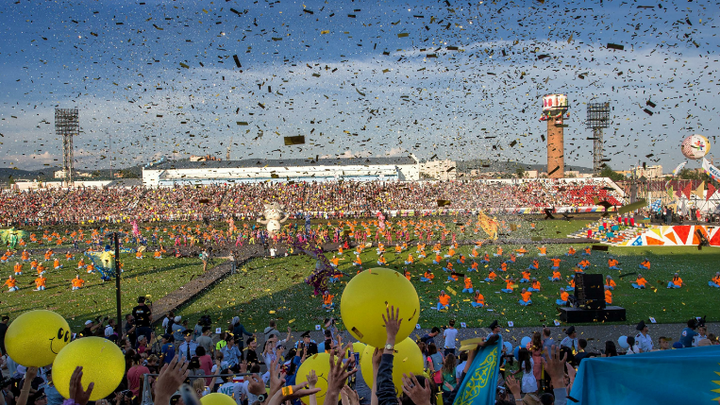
{"x": 459, "y": 370}
{"x": 645, "y": 343}
{"x": 235, "y": 390}
{"x": 571, "y": 343}
{"x": 109, "y": 331}
{"x": 449, "y": 336}
{"x": 633, "y": 350}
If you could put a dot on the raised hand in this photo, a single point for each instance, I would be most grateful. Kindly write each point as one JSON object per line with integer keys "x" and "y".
{"x": 77, "y": 393}
{"x": 414, "y": 390}
{"x": 169, "y": 380}
{"x": 392, "y": 323}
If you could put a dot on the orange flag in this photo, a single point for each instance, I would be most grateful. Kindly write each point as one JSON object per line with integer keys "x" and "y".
{"x": 710, "y": 191}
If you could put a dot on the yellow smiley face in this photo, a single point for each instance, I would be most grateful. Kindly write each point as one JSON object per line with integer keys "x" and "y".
{"x": 36, "y": 337}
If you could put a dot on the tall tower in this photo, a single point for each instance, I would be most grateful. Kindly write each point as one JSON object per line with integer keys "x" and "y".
{"x": 554, "y": 108}
{"x": 67, "y": 126}
{"x": 598, "y": 118}
{"x": 227, "y": 155}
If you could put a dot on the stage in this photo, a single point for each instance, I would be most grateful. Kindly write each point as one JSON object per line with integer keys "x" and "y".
{"x": 577, "y": 315}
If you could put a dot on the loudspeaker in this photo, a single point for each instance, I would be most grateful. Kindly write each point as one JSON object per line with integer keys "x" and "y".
{"x": 589, "y": 291}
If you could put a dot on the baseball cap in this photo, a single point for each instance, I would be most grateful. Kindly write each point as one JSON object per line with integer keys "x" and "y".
{"x": 88, "y": 322}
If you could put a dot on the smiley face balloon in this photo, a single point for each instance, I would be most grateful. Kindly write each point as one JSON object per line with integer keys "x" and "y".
{"x": 36, "y": 337}
{"x": 321, "y": 364}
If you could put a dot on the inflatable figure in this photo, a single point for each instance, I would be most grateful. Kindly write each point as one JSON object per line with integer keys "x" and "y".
{"x": 274, "y": 216}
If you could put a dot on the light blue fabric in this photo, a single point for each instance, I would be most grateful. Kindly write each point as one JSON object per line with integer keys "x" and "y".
{"x": 651, "y": 378}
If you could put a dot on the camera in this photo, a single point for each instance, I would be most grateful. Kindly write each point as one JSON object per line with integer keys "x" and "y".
{"x": 205, "y": 320}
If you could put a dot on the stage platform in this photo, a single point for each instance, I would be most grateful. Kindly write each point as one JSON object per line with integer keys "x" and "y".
{"x": 576, "y": 315}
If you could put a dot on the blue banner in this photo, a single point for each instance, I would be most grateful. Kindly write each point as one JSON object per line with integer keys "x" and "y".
{"x": 683, "y": 376}
{"x": 480, "y": 383}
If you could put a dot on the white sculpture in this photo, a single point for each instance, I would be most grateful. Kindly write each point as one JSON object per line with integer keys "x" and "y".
{"x": 274, "y": 216}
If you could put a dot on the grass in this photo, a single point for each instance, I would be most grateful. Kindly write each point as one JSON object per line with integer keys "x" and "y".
{"x": 274, "y": 289}
{"x": 267, "y": 289}
{"x": 97, "y": 298}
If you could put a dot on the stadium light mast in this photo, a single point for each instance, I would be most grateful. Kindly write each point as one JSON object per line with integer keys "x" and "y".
{"x": 67, "y": 126}
{"x": 598, "y": 118}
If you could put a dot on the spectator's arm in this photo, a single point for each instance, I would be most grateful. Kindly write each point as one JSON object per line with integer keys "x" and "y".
{"x": 385, "y": 387}
{"x": 377, "y": 356}
{"x": 27, "y": 385}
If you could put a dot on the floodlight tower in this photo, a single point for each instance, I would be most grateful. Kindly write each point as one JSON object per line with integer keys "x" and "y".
{"x": 598, "y": 118}
{"x": 67, "y": 126}
{"x": 555, "y": 106}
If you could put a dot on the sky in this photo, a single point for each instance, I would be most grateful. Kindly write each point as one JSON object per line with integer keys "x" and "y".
{"x": 437, "y": 79}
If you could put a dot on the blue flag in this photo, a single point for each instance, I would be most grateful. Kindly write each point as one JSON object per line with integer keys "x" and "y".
{"x": 480, "y": 383}
{"x": 684, "y": 376}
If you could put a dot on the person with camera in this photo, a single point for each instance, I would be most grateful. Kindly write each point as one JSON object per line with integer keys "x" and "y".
{"x": 91, "y": 327}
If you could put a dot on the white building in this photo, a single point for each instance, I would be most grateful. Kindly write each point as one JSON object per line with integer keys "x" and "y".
{"x": 439, "y": 169}
{"x": 169, "y": 173}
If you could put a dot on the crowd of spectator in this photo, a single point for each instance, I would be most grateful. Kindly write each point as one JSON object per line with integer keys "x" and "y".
{"x": 253, "y": 368}
{"x": 336, "y": 199}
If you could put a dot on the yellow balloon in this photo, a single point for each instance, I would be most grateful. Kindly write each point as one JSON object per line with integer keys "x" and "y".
{"x": 36, "y": 337}
{"x": 359, "y": 347}
{"x": 102, "y": 361}
{"x": 321, "y": 364}
{"x": 366, "y": 298}
{"x": 408, "y": 359}
{"x": 217, "y": 399}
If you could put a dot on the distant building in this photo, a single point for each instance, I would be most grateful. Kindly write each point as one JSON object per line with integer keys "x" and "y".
{"x": 439, "y": 170}
{"x": 60, "y": 174}
{"x": 169, "y": 173}
{"x": 649, "y": 172}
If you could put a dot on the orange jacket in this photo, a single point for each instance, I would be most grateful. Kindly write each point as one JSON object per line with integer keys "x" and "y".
{"x": 646, "y": 264}
{"x": 492, "y": 275}
{"x": 18, "y": 268}
{"x": 77, "y": 282}
{"x": 555, "y": 262}
{"x": 641, "y": 281}
{"x": 608, "y": 296}
{"x": 429, "y": 275}
{"x": 468, "y": 283}
{"x": 536, "y": 285}
{"x": 526, "y": 296}
{"x": 610, "y": 283}
{"x": 444, "y": 299}
{"x": 509, "y": 284}
{"x": 556, "y": 274}
{"x": 10, "y": 282}
{"x": 479, "y": 298}
{"x": 564, "y": 296}
{"x": 327, "y": 299}
{"x": 526, "y": 275}
{"x": 40, "y": 282}
{"x": 677, "y": 281}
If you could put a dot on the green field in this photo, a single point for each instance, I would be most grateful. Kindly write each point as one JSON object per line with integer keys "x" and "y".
{"x": 97, "y": 298}
{"x": 274, "y": 289}
{"x": 265, "y": 289}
